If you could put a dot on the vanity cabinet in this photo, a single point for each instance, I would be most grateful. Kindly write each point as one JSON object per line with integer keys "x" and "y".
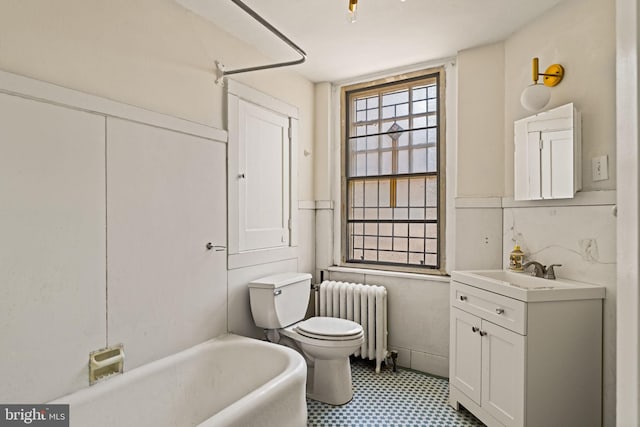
{"x": 525, "y": 363}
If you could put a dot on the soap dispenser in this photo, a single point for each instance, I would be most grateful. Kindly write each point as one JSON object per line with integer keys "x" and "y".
{"x": 516, "y": 259}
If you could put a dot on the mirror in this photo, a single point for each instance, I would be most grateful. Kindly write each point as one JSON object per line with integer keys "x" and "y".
{"x": 547, "y": 155}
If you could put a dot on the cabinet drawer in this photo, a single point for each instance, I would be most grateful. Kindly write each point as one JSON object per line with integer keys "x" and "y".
{"x": 506, "y": 312}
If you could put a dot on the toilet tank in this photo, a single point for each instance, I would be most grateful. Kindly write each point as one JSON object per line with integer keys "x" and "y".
{"x": 280, "y": 300}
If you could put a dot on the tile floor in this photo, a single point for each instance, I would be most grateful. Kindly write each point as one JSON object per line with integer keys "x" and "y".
{"x": 402, "y": 398}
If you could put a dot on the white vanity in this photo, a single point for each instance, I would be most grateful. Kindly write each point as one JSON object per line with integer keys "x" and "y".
{"x": 526, "y": 351}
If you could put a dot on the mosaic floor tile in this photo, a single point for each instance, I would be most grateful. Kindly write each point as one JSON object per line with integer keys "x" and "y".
{"x": 403, "y": 398}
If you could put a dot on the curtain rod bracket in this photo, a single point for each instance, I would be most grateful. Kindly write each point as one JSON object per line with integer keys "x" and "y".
{"x": 220, "y": 69}
{"x": 219, "y": 73}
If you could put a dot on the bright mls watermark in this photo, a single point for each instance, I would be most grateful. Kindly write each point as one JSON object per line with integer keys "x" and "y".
{"x": 34, "y": 415}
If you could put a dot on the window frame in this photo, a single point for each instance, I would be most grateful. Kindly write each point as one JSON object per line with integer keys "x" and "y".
{"x": 439, "y": 74}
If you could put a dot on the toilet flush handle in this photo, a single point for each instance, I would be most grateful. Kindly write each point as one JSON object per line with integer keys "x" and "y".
{"x": 277, "y": 292}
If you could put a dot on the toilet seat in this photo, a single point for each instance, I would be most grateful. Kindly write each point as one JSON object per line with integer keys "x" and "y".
{"x": 351, "y": 332}
{"x": 329, "y": 328}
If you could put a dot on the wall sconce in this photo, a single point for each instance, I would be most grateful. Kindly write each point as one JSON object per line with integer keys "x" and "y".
{"x": 536, "y": 96}
{"x": 353, "y": 9}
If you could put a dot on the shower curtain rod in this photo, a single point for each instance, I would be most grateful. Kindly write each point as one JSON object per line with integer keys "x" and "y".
{"x": 221, "y": 72}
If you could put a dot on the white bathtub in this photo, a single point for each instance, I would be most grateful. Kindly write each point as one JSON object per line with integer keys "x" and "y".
{"x": 228, "y": 381}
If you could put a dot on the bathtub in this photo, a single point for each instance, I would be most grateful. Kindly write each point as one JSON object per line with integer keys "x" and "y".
{"x": 228, "y": 381}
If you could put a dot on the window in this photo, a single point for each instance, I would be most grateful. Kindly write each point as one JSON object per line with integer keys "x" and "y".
{"x": 394, "y": 187}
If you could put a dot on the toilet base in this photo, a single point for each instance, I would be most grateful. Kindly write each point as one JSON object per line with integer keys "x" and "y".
{"x": 329, "y": 381}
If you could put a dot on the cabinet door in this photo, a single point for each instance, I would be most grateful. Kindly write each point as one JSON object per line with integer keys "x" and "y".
{"x": 166, "y": 201}
{"x": 465, "y": 363}
{"x": 556, "y": 164}
{"x": 503, "y": 368}
{"x": 263, "y": 188}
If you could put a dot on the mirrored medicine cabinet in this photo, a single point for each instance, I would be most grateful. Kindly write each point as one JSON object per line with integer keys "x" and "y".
{"x": 547, "y": 155}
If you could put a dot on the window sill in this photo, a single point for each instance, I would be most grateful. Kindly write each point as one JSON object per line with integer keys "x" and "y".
{"x": 399, "y": 274}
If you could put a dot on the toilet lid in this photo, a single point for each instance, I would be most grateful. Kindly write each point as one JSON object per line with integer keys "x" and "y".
{"x": 329, "y": 327}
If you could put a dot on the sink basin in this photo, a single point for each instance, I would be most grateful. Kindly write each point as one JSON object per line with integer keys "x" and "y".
{"x": 524, "y": 287}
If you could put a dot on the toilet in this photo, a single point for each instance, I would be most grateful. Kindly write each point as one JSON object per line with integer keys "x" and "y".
{"x": 279, "y": 304}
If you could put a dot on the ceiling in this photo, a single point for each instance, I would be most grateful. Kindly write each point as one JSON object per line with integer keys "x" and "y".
{"x": 387, "y": 34}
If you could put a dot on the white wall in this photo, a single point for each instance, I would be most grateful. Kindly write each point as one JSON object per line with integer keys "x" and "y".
{"x": 580, "y": 35}
{"x": 156, "y": 55}
{"x": 480, "y": 121}
{"x": 628, "y": 109}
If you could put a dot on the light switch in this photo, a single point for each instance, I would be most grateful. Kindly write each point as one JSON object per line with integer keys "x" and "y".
{"x": 600, "y": 168}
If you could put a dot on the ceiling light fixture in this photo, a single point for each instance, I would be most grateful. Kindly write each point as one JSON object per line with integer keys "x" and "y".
{"x": 353, "y": 9}
{"x": 536, "y": 96}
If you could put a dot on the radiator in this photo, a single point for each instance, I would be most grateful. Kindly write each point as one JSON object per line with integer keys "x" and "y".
{"x": 364, "y": 304}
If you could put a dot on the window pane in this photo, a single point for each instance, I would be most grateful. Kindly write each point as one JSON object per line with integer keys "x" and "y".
{"x": 370, "y": 242}
{"x": 384, "y": 197}
{"x": 432, "y": 159}
{"x": 393, "y": 257}
{"x": 417, "y": 192}
{"x": 416, "y": 245}
{"x": 420, "y": 93}
{"x": 386, "y": 165}
{"x": 432, "y": 246}
{"x": 402, "y": 110}
{"x": 393, "y": 98}
{"x": 385, "y": 243}
{"x": 372, "y": 163}
{"x": 403, "y": 161}
{"x": 432, "y": 191}
{"x": 419, "y": 160}
{"x": 416, "y": 213}
{"x": 370, "y": 255}
{"x": 400, "y": 244}
{"x": 357, "y": 193}
{"x": 371, "y": 194}
{"x": 401, "y": 230}
{"x": 420, "y": 107}
{"x": 386, "y": 229}
{"x": 402, "y": 192}
{"x": 416, "y": 230}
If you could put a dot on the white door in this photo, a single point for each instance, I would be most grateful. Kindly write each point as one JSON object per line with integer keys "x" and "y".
{"x": 263, "y": 177}
{"x": 503, "y": 370}
{"x": 556, "y": 164}
{"x": 166, "y": 200}
{"x": 465, "y": 363}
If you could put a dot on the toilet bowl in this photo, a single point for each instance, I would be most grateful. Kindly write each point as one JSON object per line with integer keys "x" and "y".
{"x": 278, "y": 304}
{"x": 327, "y": 343}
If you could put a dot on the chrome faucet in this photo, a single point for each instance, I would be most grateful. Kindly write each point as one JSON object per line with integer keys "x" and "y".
{"x": 539, "y": 270}
{"x": 550, "y": 274}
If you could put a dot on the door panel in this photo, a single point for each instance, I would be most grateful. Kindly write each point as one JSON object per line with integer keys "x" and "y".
{"x": 264, "y": 186}
{"x": 503, "y": 370}
{"x": 465, "y": 368}
{"x": 166, "y": 196}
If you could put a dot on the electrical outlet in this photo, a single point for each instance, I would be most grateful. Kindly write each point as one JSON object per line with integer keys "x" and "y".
{"x": 600, "y": 168}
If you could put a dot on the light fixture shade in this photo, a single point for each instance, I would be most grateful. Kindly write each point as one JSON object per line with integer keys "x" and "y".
{"x": 535, "y": 97}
